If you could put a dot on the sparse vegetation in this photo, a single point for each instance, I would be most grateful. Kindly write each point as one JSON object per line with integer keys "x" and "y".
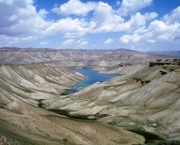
{"x": 123, "y": 98}
{"x": 158, "y": 142}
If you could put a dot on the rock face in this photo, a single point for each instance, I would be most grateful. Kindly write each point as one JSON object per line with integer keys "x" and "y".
{"x": 22, "y": 122}
{"x": 143, "y": 93}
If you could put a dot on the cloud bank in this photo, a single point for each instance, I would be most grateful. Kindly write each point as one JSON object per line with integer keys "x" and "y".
{"x": 21, "y": 22}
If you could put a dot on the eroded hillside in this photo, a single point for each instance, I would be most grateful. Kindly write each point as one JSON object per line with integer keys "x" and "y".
{"x": 148, "y": 95}
{"x": 143, "y": 98}
{"x": 22, "y": 122}
{"x": 75, "y": 58}
{"x": 33, "y": 82}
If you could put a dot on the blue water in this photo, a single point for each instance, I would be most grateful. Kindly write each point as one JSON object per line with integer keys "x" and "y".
{"x": 92, "y": 76}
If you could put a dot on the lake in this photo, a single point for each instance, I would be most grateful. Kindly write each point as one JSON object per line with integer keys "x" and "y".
{"x": 92, "y": 76}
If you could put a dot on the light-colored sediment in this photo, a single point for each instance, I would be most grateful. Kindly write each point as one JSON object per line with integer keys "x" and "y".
{"x": 147, "y": 94}
{"x": 98, "y": 59}
{"x": 22, "y": 122}
{"x": 44, "y": 127}
{"x": 33, "y": 82}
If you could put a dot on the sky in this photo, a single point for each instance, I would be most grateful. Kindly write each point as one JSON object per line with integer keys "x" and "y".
{"x": 142, "y": 25}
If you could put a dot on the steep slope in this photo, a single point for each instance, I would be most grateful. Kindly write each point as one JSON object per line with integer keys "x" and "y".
{"x": 33, "y": 82}
{"x": 26, "y": 124}
{"x": 149, "y": 95}
{"x": 22, "y": 122}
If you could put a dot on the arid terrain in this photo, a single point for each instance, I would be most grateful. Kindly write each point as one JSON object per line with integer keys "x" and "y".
{"x": 22, "y": 122}
{"x": 75, "y": 58}
{"x": 32, "y": 85}
{"x": 147, "y": 95}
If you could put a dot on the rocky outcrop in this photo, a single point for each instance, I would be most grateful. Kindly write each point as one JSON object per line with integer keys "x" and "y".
{"x": 167, "y": 62}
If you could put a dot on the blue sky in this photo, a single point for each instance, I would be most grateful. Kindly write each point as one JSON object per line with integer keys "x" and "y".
{"x": 144, "y": 25}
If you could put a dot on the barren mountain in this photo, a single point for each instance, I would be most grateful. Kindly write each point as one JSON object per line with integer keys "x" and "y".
{"x": 32, "y": 82}
{"x": 22, "y": 122}
{"x": 75, "y": 58}
{"x": 26, "y": 124}
{"x": 147, "y": 95}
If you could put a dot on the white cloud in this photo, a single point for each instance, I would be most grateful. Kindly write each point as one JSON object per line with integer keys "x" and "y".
{"x": 70, "y": 27}
{"x": 174, "y": 17}
{"x": 21, "y": 18}
{"x": 24, "y": 21}
{"x": 109, "y": 41}
{"x": 45, "y": 42}
{"x": 166, "y": 30}
{"x": 15, "y": 41}
{"x": 139, "y": 20}
{"x": 68, "y": 42}
{"x": 135, "y": 22}
{"x": 43, "y": 13}
{"x": 105, "y": 18}
{"x": 83, "y": 43}
{"x": 157, "y": 32}
{"x": 75, "y": 7}
{"x": 132, "y": 6}
{"x": 130, "y": 38}
{"x": 20, "y": 21}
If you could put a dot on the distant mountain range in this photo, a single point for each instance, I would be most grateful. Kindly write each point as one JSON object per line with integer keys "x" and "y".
{"x": 169, "y": 53}
{"x": 76, "y": 58}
